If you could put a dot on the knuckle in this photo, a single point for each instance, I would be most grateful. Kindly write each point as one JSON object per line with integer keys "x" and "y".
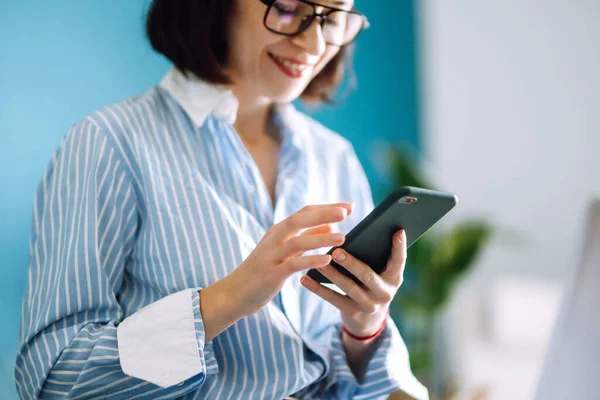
{"x": 369, "y": 277}
{"x": 387, "y": 297}
{"x": 370, "y": 308}
{"x": 397, "y": 281}
{"x": 292, "y": 244}
{"x": 291, "y": 265}
{"x": 290, "y": 221}
{"x": 352, "y": 292}
{"x": 400, "y": 280}
{"x": 355, "y": 292}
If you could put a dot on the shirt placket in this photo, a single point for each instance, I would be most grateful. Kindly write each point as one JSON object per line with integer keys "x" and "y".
{"x": 256, "y": 199}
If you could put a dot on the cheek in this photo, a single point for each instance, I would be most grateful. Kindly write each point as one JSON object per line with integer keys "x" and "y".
{"x": 247, "y": 36}
{"x": 330, "y": 52}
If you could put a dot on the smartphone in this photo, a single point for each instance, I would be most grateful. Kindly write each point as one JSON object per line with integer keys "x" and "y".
{"x": 413, "y": 209}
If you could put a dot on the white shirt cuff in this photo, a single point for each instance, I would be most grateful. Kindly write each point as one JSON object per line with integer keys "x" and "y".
{"x": 163, "y": 343}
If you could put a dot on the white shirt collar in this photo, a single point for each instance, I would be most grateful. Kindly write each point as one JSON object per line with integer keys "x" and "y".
{"x": 200, "y": 99}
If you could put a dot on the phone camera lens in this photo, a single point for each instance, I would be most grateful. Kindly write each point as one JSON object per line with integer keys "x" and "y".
{"x": 408, "y": 200}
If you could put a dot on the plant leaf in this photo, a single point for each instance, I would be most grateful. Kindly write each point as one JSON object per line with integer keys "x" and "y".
{"x": 459, "y": 247}
{"x": 453, "y": 255}
{"x": 405, "y": 168}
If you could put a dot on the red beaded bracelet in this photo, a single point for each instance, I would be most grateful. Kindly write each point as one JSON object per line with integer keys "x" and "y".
{"x": 373, "y": 336}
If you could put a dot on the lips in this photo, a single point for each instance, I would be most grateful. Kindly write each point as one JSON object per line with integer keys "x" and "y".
{"x": 289, "y": 66}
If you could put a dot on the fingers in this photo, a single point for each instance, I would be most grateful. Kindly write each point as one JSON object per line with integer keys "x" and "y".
{"x": 305, "y": 242}
{"x": 326, "y": 228}
{"x": 352, "y": 290}
{"x": 394, "y": 270}
{"x": 368, "y": 301}
{"x": 343, "y": 303}
{"x": 377, "y": 287}
{"x": 312, "y": 216}
{"x": 302, "y": 263}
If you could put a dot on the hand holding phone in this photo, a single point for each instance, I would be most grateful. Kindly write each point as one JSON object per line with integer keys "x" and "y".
{"x": 415, "y": 210}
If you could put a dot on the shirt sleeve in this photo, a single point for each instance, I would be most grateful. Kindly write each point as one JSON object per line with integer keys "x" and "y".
{"x": 76, "y": 340}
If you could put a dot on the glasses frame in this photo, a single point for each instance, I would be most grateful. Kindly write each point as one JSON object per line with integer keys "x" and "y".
{"x": 323, "y": 17}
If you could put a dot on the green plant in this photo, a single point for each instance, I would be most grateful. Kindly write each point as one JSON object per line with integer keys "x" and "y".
{"x": 435, "y": 264}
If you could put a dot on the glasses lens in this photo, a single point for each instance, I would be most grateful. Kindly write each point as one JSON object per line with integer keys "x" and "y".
{"x": 341, "y": 27}
{"x": 289, "y": 16}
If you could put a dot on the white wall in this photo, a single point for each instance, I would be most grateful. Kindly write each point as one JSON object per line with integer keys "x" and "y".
{"x": 511, "y": 114}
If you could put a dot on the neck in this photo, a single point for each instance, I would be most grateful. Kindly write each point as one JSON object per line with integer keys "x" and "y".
{"x": 252, "y": 119}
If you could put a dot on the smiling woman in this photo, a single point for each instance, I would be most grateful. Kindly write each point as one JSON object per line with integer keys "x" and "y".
{"x": 171, "y": 231}
{"x": 175, "y": 32}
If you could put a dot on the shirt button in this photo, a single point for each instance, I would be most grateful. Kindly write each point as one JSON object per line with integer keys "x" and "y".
{"x": 181, "y": 383}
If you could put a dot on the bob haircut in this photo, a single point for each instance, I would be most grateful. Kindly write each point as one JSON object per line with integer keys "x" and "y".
{"x": 192, "y": 34}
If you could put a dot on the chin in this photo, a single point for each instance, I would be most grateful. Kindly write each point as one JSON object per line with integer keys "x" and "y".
{"x": 284, "y": 95}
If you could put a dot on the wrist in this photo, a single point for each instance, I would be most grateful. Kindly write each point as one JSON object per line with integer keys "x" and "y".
{"x": 218, "y": 309}
{"x": 365, "y": 334}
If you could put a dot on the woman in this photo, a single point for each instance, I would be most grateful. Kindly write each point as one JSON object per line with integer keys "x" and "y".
{"x": 171, "y": 231}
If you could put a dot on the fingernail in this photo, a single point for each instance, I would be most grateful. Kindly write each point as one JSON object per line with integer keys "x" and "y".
{"x": 399, "y": 237}
{"x": 339, "y": 255}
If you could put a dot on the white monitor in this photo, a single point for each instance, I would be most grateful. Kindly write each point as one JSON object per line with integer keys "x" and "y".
{"x": 572, "y": 366}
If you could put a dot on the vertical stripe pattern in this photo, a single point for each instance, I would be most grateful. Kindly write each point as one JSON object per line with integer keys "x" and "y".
{"x": 139, "y": 203}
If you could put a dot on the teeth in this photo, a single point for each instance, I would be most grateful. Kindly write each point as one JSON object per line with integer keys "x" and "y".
{"x": 290, "y": 65}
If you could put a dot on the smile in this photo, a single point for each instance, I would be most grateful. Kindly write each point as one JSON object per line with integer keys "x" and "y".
{"x": 289, "y": 67}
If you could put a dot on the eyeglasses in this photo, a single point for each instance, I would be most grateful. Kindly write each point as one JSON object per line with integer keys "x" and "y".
{"x": 292, "y": 17}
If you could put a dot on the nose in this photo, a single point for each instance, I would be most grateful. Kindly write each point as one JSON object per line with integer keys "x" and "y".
{"x": 312, "y": 39}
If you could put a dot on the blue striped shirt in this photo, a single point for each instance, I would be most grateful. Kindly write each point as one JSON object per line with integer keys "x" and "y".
{"x": 145, "y": 203}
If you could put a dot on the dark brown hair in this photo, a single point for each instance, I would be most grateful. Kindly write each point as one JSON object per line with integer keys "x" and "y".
{"x": 192, "y": 34}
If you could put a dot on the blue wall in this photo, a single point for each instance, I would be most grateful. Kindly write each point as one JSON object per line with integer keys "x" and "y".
{"x": 61, "y": 60}
{"x": 384, "y": 106}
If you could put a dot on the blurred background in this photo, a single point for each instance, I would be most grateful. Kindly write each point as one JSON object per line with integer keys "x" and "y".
{"x": 494, "y": 101}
